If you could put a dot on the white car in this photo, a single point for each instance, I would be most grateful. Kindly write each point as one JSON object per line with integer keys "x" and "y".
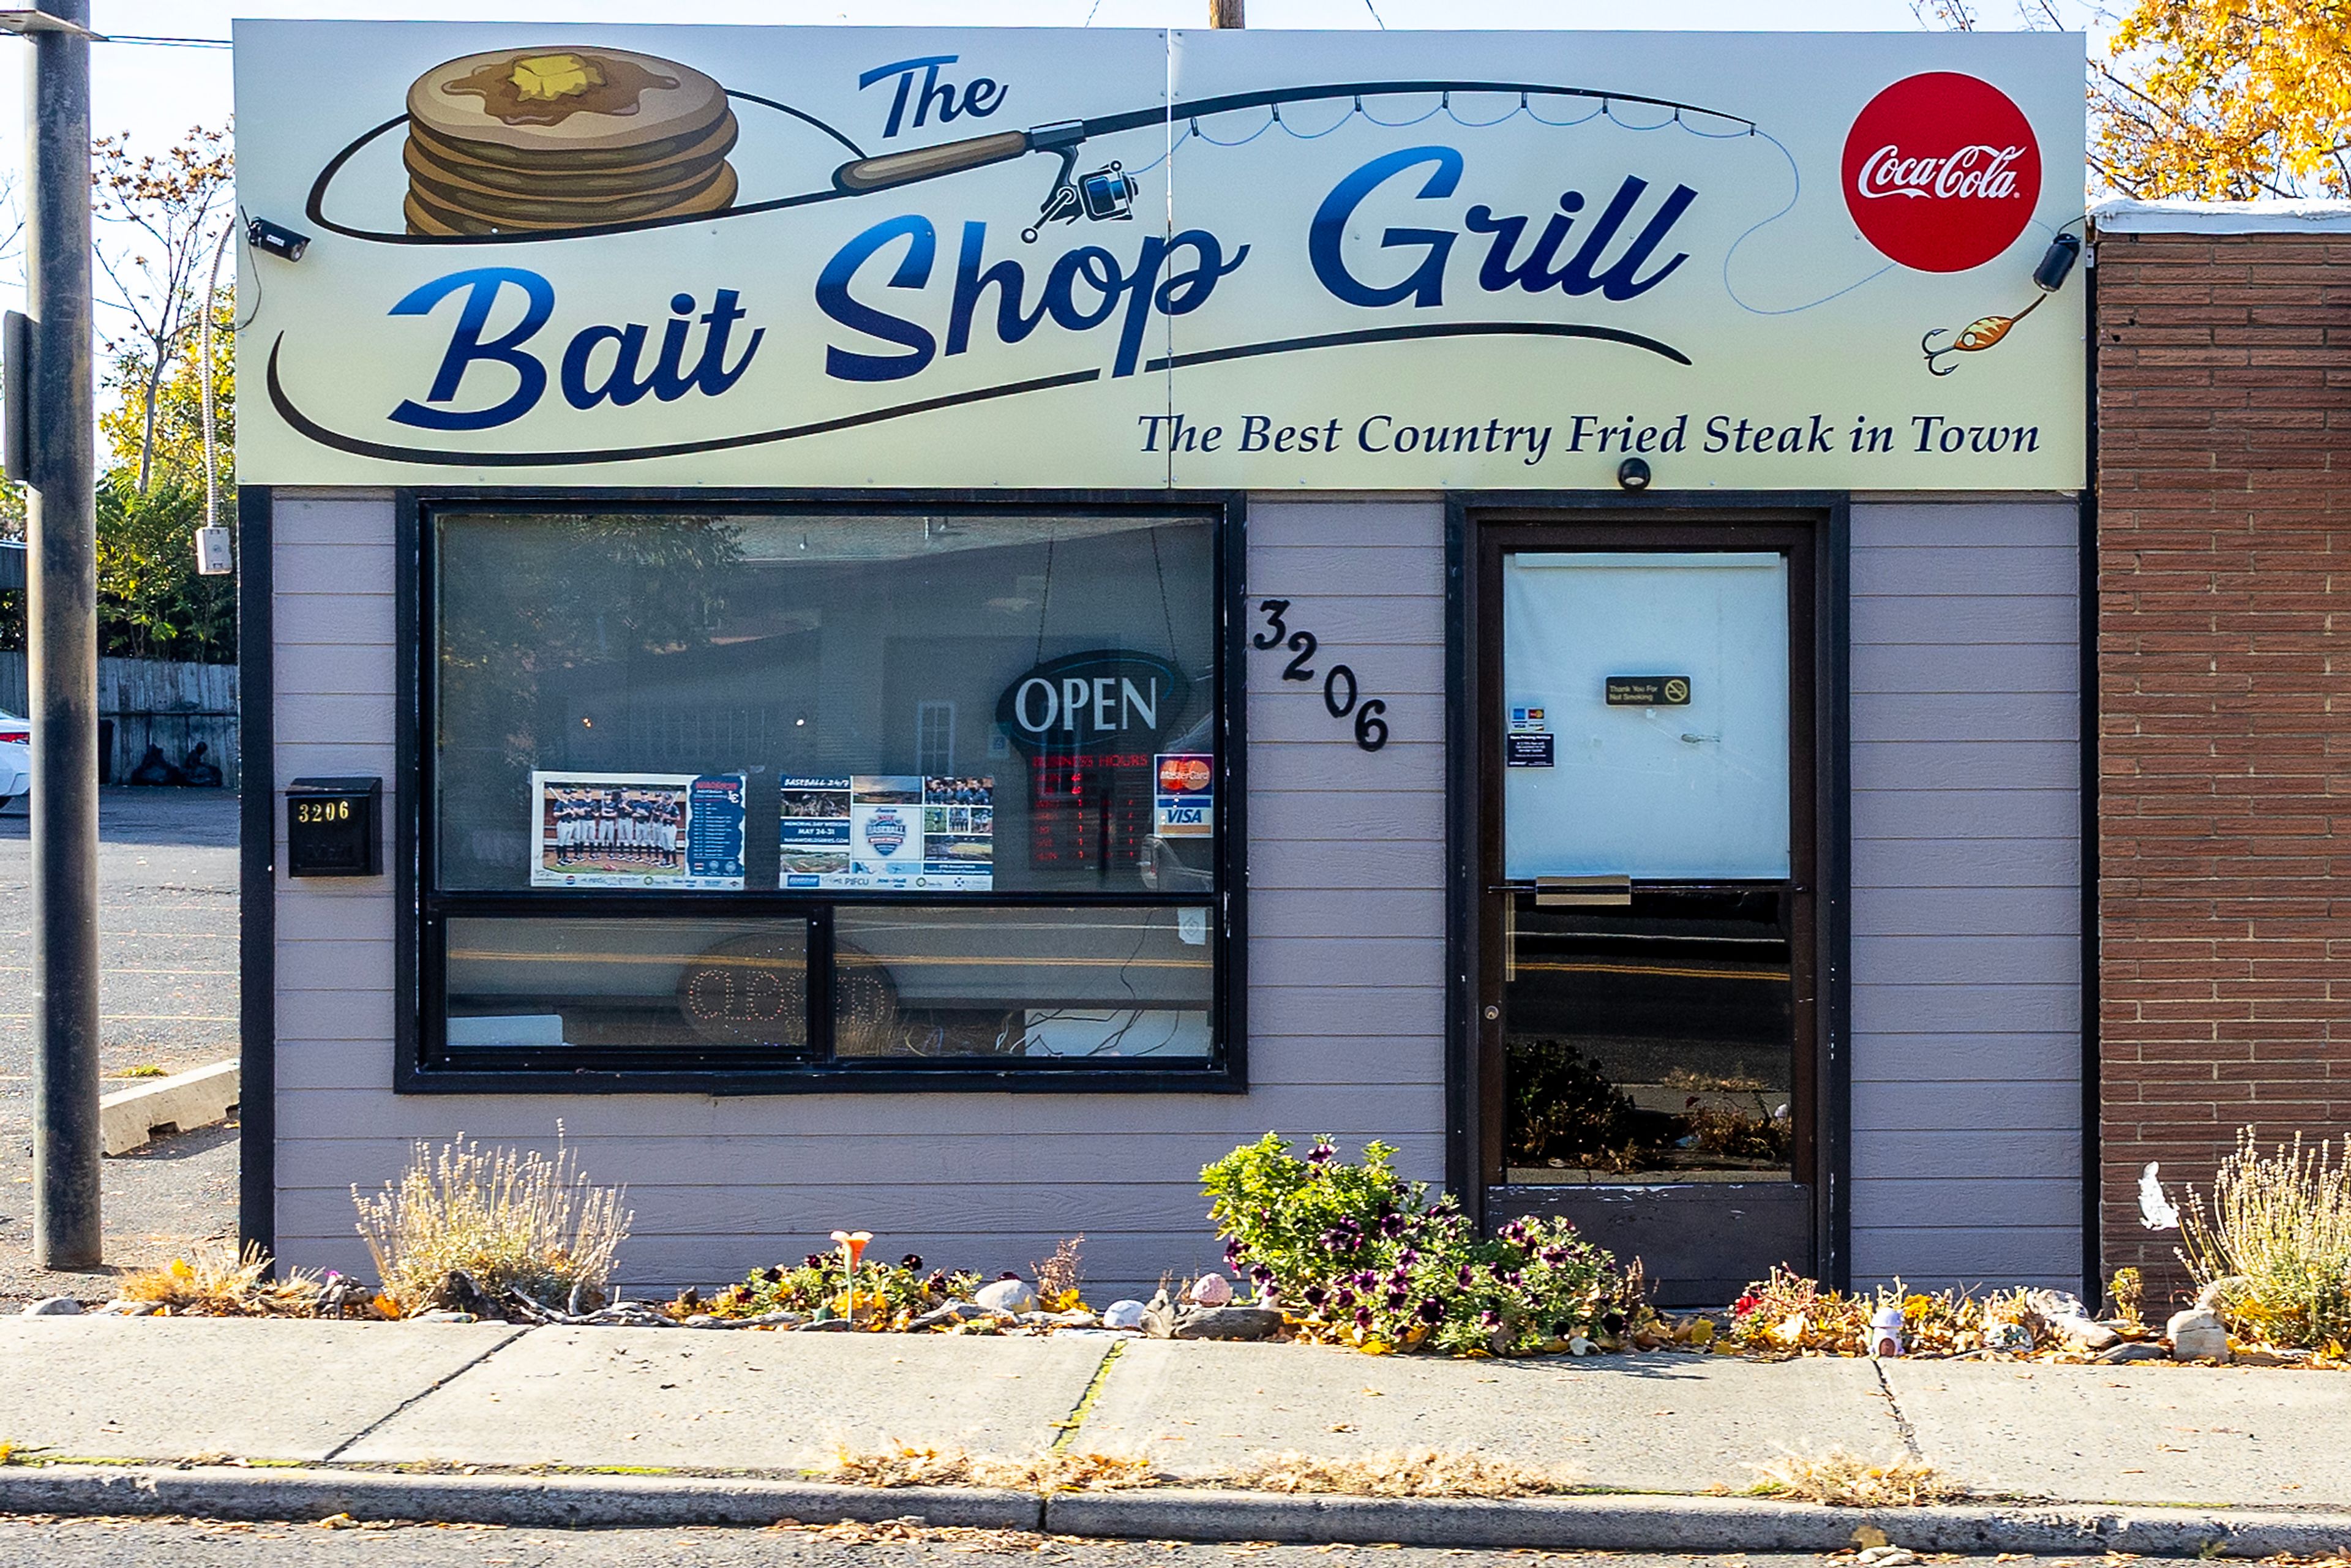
{"x": 15, "y": 757}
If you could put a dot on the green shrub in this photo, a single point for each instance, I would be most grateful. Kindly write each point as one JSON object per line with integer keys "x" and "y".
{"x": 1358, "y": 1253}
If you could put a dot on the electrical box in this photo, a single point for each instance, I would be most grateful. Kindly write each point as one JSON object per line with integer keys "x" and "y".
{"x": 334, "y": 827}
{"x": 213, "y": 553}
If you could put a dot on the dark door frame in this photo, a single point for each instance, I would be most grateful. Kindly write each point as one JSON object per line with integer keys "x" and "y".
{"x": 1663, "y": 521}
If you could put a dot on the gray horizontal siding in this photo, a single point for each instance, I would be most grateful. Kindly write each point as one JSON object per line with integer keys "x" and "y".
{"x": 1346, "y": 960}
{"x": 1967, "y": 1000}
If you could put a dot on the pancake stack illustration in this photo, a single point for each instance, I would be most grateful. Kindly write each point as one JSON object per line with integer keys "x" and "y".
{"x": 535, "y": 141}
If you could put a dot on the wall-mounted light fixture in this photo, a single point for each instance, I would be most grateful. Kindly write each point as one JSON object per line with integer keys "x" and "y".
{"x": 1632, "y": 473}
{"x": 286, "y": 245}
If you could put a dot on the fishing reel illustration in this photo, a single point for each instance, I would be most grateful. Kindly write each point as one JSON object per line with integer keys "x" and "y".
{"x": 1105, "y": 195}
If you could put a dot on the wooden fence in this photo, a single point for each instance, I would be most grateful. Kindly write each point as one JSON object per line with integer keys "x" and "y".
{"x": 153, "y": 702}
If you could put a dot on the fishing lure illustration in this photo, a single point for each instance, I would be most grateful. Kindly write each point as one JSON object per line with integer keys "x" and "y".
{"x": 1986, "y": 331}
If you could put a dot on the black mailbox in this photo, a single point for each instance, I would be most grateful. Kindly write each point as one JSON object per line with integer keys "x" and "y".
{"x": 334, "y": 827}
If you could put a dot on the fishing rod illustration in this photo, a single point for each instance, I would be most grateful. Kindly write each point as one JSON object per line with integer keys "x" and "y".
{"x": 1108, "y": 193}
{"x": 498, "y": 176}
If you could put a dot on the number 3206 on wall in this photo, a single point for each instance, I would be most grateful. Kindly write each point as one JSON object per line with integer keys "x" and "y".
{"x": 1340, "y": 694}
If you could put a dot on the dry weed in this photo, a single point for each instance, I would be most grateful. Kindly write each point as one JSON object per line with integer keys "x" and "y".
{"x": 903, "y": 1465}
{"x": 1416, "y": 1472}
{"x": 216, "y": 1280}
{"x": 1847, "y": 1481}
{"x": 1059, "y": 1276}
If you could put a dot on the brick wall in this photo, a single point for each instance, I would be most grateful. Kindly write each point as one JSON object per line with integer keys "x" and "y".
{"x": 2224, "y": 699}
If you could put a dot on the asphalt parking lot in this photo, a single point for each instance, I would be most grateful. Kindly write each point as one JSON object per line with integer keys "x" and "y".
{"x": 167, "y": 995}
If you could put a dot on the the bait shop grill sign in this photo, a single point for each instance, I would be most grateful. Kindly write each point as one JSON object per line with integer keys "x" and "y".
{"x": 784, "y": 256}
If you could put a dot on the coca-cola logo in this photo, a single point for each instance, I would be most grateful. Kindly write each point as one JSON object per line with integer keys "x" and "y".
{"x": 1941, "y": 172}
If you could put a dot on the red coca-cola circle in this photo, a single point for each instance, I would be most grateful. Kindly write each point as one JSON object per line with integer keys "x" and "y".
{"x": 1941, "y": 172}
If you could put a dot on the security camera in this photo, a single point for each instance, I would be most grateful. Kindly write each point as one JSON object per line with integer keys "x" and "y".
{"x": 279, "y": 241}
{"x": 1632, "y": 473}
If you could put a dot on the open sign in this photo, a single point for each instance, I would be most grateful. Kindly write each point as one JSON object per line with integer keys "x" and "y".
{"x": 1101, "y": 700}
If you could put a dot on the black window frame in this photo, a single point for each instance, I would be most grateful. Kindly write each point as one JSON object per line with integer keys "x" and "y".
{"x": 422, "y": 1064}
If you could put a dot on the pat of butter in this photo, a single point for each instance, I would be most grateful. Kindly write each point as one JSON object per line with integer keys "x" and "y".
{"x": 542, "y": 76}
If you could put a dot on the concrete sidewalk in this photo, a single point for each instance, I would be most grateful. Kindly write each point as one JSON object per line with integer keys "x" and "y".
{"x": 751, "y": 1414}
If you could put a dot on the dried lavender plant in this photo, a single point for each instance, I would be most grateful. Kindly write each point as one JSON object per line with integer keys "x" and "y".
{"x": 506, "y": 1218}
{"x": 2280, "y": 1224}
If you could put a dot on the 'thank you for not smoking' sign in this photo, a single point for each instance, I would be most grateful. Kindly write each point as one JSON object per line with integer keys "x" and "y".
{"x": 594, "y": 254}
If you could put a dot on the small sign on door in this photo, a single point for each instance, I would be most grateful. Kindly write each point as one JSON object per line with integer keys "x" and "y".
{"x": 1648, "y": 691}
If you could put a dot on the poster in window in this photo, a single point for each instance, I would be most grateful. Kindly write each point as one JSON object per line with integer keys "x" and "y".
{"x": 889, "y": 832}
{"x": 638, "y": 830}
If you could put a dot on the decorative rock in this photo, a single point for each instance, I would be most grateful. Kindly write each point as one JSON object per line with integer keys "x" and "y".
{"x": 1012, "y": 1296}
{"x": 1123, "y": 1315}
{"x": 1212, "y": 1290}
{"x": 2198, "y": 1335}
{"x": 441, "y": 1315}
{"x": 53, "y": 1307}
{"x": 2087, "y": 1334}
{"x": 2132, "y": 1351}
{"x": 953, "y": 1313}
{"x": 1227, "y": 1323}
{"x": 826, "y": 1325}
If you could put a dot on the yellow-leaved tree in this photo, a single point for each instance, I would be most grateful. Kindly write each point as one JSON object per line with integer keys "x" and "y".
{"x": 2225, "y": 100}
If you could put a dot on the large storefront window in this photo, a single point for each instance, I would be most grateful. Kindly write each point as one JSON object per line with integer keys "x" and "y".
{"x": 823, "y": 791}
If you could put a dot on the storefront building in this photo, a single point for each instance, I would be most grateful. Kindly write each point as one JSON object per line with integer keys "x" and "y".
{"x": 928, "y": 629}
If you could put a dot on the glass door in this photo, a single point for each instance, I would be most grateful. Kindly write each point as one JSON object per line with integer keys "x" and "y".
{"x": 1650, "y": 1000}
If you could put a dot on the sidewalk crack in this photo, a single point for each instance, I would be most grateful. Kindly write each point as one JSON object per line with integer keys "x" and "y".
{"x": 434, "y": 1387}
{"x": 1084, "y": 1406}
{"x": 1901, "y": 1423}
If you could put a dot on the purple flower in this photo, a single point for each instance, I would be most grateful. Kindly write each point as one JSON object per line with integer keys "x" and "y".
{"x": 1321, "y": 1154}
{"x": 1466, "y": 1277}
{"x": 1313, "y": 1295}
{"x": 1343, "y": 1299}
{"x": 1259, "y": 1273}
{"x": 1431, "y": 1310}
{"x": 1362, "y": 1317}
{"x": 1397, "y": 1299}
{"x": 816, "y": 1261}
{"x": 912, "y": 1262}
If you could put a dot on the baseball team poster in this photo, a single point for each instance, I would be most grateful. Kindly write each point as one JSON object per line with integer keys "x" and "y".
{"x": 638, "y": 830}
{"x": 889, "y": 832}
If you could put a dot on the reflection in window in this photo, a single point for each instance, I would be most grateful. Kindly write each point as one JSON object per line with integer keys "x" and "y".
{"x": 1094, "y": 983}
{"x": 525, "y": 983}
{"x": 867, "y": 645}
{"x": 1653, "y": 1042}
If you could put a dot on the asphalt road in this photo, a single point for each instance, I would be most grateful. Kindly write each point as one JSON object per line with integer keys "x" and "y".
{"x": 133, "y": 1543}
{"x": 167, "y": 996}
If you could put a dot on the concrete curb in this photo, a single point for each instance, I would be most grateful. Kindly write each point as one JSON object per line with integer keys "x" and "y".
{"x": 184, "y": 1101}
{"x": 554, "y": 1501}
{"x": 1590, "y": 1523}
{"x": 1686, "y": 1524}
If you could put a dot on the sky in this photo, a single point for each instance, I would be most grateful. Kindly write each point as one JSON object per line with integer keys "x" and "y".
{"x": 154, "y": 92}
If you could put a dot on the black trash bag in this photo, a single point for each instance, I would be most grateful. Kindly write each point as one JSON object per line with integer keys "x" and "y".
{"x": 197, "y": 770}
{"x": 153, "y": 769}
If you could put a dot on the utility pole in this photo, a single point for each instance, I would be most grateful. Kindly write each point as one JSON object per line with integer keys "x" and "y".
{"x": 61, "y": 578}
{"x": 1224, "y": 13}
